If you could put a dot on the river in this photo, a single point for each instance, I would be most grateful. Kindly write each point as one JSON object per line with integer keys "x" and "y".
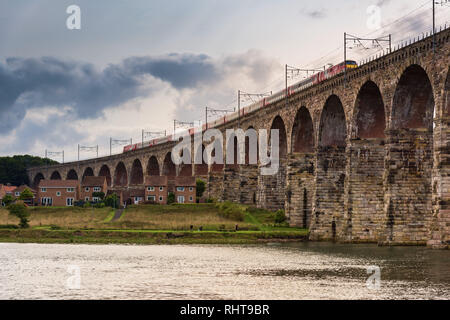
{"x": 269, "y": 271}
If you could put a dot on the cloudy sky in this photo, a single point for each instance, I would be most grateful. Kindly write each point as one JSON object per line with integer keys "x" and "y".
{"x": 139, "y": 64}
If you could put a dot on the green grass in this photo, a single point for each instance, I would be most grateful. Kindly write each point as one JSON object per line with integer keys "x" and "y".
{"x": 151, "y": 224}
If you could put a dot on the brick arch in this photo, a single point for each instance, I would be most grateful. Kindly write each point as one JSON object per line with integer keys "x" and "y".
{"x": 37, "y": 178}
{"x": 120, "y": 175}
{"x": 169, "y": 168}
{"x": 105, "y": 172}
{"x": 153, "y": 167}
{"x": 303, "y": 132}
{"x": 55, "y": 175}
{"x": 278, "y": 123}
{"x": 369, "y": 115}
{"x": 413, "y": 101}
{"x": 333, "y": 124}
{"x": 72, "y": 175}
{"x": 137, "y": 173}
{"x": 88, "y": 172}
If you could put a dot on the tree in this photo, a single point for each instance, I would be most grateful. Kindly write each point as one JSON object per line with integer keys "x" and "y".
{"x": 8, "y": 199}
{"x": 14, "y": 169}
{"x": 20, "y": 211}
{"x": 26, "y": 194}
{"x": 201, "y": 187}
{"x": 171, "y": 198}
{"x": 112, "y": 201}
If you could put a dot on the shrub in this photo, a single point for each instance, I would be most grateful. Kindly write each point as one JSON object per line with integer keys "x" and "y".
{"x": 112, "y": 201}
{"x": 8, "y": 226}
{"x": 231, "y": 211}
{"x": 8, "y": 199}
{"x": 26, "y": 194}
{"x": 100, "y": 195}
{"x": 280, "y": 217}
{"x": 171, "y": 198}
{"x": 100, "y": 205}
{"x": 79, "y": 203}
{"x": 87, "y": 205}
{"x": 20, "y": 211}
{"x": 200, "y": 188}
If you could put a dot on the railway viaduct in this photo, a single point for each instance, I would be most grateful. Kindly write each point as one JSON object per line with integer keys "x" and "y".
{"x": 363, "y": 157}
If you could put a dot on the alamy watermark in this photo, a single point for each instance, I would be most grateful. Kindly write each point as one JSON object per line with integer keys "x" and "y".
{"x": 249, "y": 147}
{"x": 73, "y": 282}
{"x": 374, "y": 280}
{"x": 73, "y": 22}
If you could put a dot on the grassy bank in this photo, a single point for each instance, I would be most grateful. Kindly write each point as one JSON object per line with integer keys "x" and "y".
{"x": 150, "y": 224}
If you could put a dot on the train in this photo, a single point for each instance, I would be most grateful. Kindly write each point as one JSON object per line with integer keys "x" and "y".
{"x": 295, "y": 88}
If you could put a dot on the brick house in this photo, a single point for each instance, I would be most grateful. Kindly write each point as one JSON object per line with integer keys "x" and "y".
{"x": 91, "y": 185}
{"x": 18, "y": 191}
{"x": 4, "y": 190}
{"x": 58, "y": 193}
{"x": 185, "y": 189}
{"x": 156, "y": 189}
{"x": 137, "y": 196}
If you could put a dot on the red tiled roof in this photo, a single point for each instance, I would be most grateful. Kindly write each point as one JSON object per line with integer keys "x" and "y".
{"x": 156, "y": 181}
{"x": 185, "y": 182}
{"x": 93, "y": 181}
{"x": 22, "y": 188}
{"x": 58, "y": 184}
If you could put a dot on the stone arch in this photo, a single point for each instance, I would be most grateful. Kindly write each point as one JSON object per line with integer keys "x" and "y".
{"x": 120, "y": 175}
{"x": 55, "y": 176}
{"x": 169, "y": 168}
{"x": 278, "y": 123}
{"x": 233, "y": 143}
{"x": 201, "y": 169}
{"x": 370, "y": 117}
{"x": 137, "y": 173}
{"x": 303, "y": 132}
{"x": 37, "y": 178}
{"x": 330, "y": 173}
{"x": 413, "y": 102}
{"x": 333, "y": 125}
{"x": 105, "y": 172}
{"x": 88, "y": 172}
{"x": 153, "y": 166}
{"x": 367, "y": 158}
{"x": 72, "y": 175}
{"x": 410, "y": 157}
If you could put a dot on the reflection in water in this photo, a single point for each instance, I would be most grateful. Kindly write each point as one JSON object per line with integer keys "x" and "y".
{"x": 288, "y": 271}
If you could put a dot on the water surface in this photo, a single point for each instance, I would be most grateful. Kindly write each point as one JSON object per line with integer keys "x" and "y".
{"x": 273, "y": 271}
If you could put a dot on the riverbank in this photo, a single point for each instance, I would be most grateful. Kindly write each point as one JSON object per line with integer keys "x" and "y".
{"x": 150, "y": 224}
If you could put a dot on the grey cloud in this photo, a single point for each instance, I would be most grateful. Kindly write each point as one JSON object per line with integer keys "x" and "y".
{"x": 315, "y": 13}
{"x": 41, "y": 82}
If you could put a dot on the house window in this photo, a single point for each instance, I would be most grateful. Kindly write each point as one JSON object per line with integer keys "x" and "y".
{"x": 161, "y": 188}
{"x": 96, "y": 199}
{"x": 43, "y": 189}
{"x": 151, "y": 198}
{"x": 151, "y": 189}
{"x": 70, "y": 189}
{"x": 161, "y": 199}
{"x": 191, "y": 199}
{"x": 86, "y": 189}
{"x": 69, "y": 202}
{"x": 86, "y": 199}
{"x": 97, "y": 189}
{"x": 180, "y": 189}
{"x": 191, "y": 189}
{"x": 180, "y": 199}
{"x": 17, "y": 194}
{"x": 58, "y": 194}
{"x": 47, "y": 201}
